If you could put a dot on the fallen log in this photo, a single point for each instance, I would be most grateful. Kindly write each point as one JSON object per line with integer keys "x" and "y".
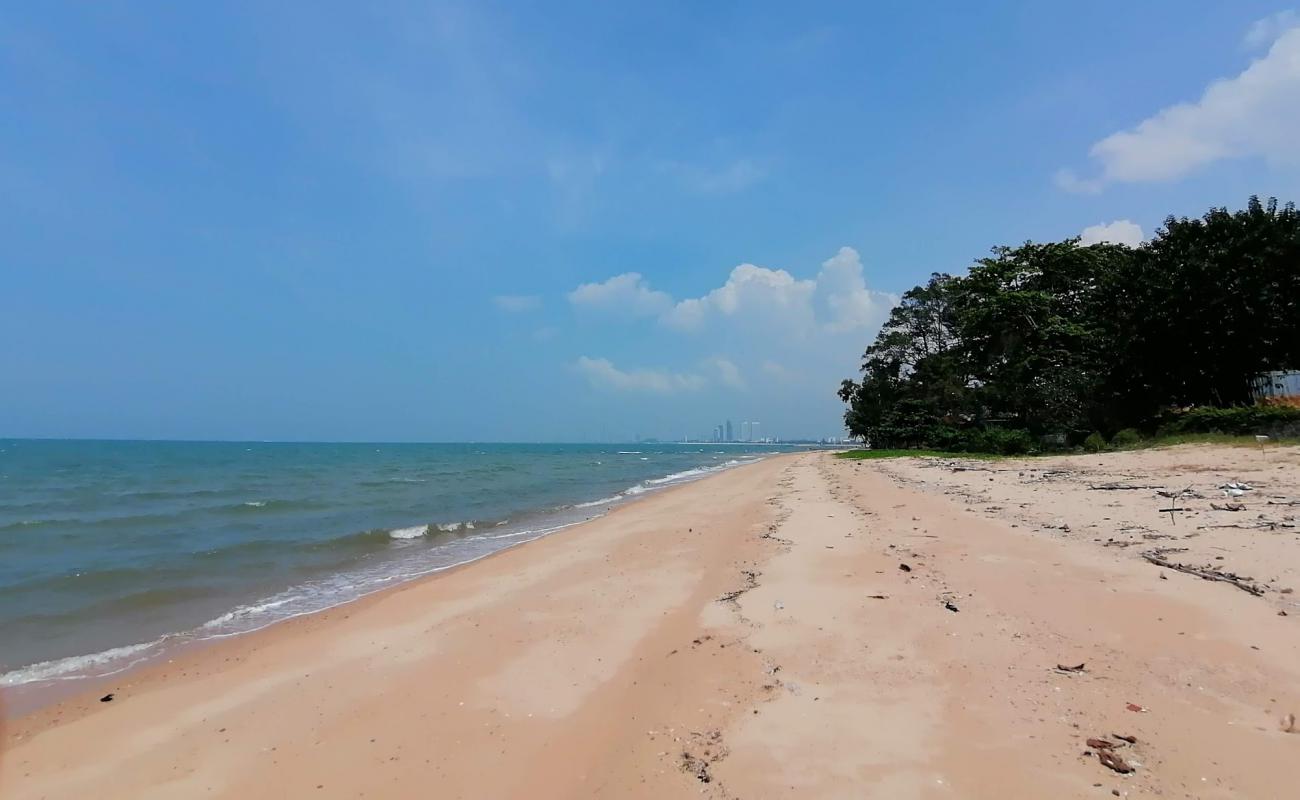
{"x": 1205, "y": 573}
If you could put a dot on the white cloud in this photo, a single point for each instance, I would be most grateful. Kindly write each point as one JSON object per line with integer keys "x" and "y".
{"x": 1070, "y": 182}
{"x": 838, "y": 299}
{"x": 1121, "y": 231}
{"x": 765, "y": 344}
{"x": 734, "y": 177}
{"x": 602, "y": 374}
{"x": 728, "y": 372}
{"x": 517, "y": 302}
{"x": 1251, "y": 115}
{"x": 842, "y": 291}
{"x": 628, "y": 293}
{"x": 1264, "y": 32}
{"x": 749, "y": 290}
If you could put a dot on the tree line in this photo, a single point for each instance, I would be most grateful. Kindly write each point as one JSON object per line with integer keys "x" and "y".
{"x": 1045, "y": 344}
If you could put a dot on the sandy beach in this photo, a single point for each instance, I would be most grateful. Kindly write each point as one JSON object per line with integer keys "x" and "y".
{"x": 805, "y": 626}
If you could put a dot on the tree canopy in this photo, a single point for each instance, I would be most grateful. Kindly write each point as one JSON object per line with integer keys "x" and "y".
{"x": 1048, "y": 342}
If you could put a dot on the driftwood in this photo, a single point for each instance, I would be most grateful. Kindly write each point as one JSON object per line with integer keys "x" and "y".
{"x": 1228, "y": 507}
{"x": 1181, "y": 493}
{"x": 1157, "y": 557}
{"x": 1258, "y": 526}
{"x": 1115, "y": 487}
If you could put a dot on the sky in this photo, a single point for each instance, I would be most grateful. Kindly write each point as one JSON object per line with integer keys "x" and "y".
{"x": 568, "y": 222}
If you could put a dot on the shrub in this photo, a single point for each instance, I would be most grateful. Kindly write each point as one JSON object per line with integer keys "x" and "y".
{"x": 1126, "y": 438}
{"x": 1006, "y": 441}
{"x": 1238, "y": 420}
{"x": 1095, "y": 442}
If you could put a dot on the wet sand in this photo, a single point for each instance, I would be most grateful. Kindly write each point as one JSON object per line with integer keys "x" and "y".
{"x": 753, "y": 635}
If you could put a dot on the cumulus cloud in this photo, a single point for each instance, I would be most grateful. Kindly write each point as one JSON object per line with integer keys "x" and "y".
{"x": 750, "y": 290}
{"x": 837, "y": 299}
{"x": 1121, "y": 231}
{"x": 762, "y": 343}
{"x": 842, "y": 291}
{"x": 517, "y": 302}
{"x": 1264, "y": 32}
{"x": 602, "y": 374}
{"x": 1250, "y": 115}
{"x": 628, "y": 293}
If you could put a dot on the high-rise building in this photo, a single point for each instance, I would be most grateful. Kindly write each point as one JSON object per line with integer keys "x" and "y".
{"x": 730, "y": 437}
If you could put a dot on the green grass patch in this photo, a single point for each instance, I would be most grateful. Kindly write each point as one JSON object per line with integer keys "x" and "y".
{"x": 864, "y": 455}
{"x": 1223, "y": 439}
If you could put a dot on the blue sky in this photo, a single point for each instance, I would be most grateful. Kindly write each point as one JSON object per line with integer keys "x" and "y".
{"x": 543, "y": 221}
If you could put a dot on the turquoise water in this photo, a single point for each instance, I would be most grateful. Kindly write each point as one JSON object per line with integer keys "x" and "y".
{"x": 112, "y": 551}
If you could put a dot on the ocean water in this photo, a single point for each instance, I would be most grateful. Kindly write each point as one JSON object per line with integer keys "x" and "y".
{"x": 112, "y": 552}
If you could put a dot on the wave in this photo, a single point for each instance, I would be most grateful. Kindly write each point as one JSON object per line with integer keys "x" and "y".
{"x": 650, "y": 484}
{"x": 23, "y": 524}
{"x": 604, "y": 501}
{"x": 416, "y": 531}
{"x": 681, "y": 476}
{"x": 98, "y": 665}
{"x": 409, "y": 533}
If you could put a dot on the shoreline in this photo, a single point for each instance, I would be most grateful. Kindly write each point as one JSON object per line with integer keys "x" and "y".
{"x": 755, "y": 633}
{"x": 27, "y": 698}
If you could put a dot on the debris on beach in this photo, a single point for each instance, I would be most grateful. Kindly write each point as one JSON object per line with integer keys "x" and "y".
{"x": 1075, "y": 668}
{"x": 904, "y": 568}
{"x": 1208, "y": 573}
{"x": 1112, "y": 760}
{"x": 751, "y": 582}
{"x": 1289, "y": 724}
{"x": 1112, "y": 487}
{"x": 950, "y": 605}
{"x": 1228, "y": 507}
{"x": 108, "y": 698}
{"x": 1135, "y": 707}
{"x": 1105, "y": 751}
{"x": 710, "y": 751}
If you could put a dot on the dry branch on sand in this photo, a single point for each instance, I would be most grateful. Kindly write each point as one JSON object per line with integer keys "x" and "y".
{"x": 1157, "y": 557}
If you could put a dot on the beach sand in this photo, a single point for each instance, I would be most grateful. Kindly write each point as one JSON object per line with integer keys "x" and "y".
{"x": 755, "y": 635}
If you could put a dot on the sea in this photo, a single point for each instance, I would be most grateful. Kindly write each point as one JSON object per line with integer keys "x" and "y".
{"x": 114, "y": 552}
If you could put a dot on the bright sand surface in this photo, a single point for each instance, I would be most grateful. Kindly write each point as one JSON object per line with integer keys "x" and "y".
{"x": 754, "y": 635}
